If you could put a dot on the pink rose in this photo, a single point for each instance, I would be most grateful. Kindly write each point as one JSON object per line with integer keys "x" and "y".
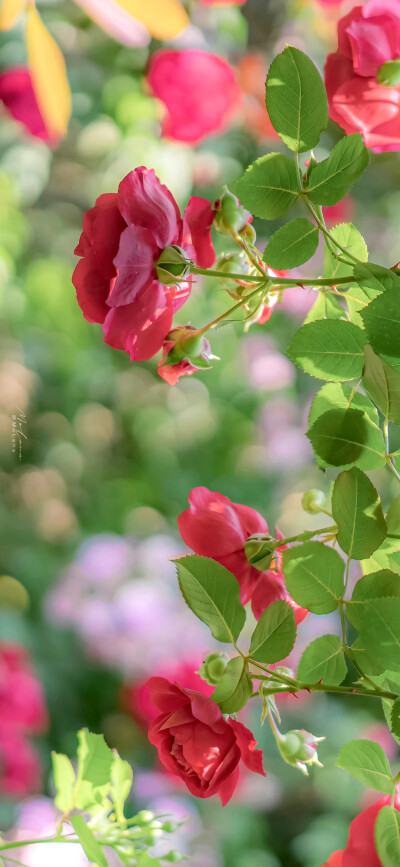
{"x": 22, "y": 704}
{"x": 360, "y": 850}
{"x": 172, "y": 367}
{"x": 198, "y": 89}
{"x": 197, "y": 744}
{"x": 19, "y": 765}
{"x": 17, "y": 94}
{"x": 122, "y": 239}
{"x": 367, "y": 37}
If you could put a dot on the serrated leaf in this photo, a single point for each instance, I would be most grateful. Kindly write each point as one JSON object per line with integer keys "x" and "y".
{"x": 366, "y": 761}
{"x": 357, "y": 511}
{"x": 64, "y": 781}
{"x": 292, "y": 244}
{"x": 382, "y": 558}
{"x": 366, "y": 659}
{"x": 380, "y": 631}
{"x": 296, "y": 99}
{"x": 121, "y": 780}
{"x": 269, "y": 186}
{"x": 326, "y": 306}
{"x": 235, "y": 688}
{"x": 91, "y": 847}
{"x": 395, "y": 718}
{"x": 212, "y": 593}
{"x": 323, "y": 661}
{"x": 334, "y": 395}
{"x": 94, "y": 769}
{"x": 274, "y": 635}
{"x": 49, "y": 74}
{"x": 393, "y": 521}
{"x": 382, "y": 382}
{"x": 314, "y": 576}
{"x": 375, "y": 278}
{"x": 382, "y": 324}
{"x": 344, "y": 437}
{"x": 375, "y": 585}
{"x": 330, "y": 180}
{"x": 353, "y": 242}
{"x": 329, "y": 349}
{"x": 387, "y": 836}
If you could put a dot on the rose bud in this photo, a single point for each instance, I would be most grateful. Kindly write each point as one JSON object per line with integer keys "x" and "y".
{"x": 172, "y": 266}
{"x": 259, "y": 550}
{"x": 213, "y": 667}
{"x": 298, "y": 748}
{"x": 313, "y": 501}
{"x": 230, "y": 217}
{"x": 184, "y": 352}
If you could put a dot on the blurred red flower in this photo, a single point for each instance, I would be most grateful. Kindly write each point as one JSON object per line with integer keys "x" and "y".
{"x": 367, "y": 37}
{"x": 122, "y": 239}
{"x": 197, "y": 744}
{"x": 17, "y": 95}
{"x": 360, "y": 850}
{"x": 198, "y": 89}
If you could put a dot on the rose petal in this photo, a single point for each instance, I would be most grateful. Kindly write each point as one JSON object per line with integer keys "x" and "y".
{"x": 146, "y": 202}
{"x": 196, "y": 239}
{"x": 252, "y": 758}
{"x": 140, "y": 328}
{"x": 134, "y": 263}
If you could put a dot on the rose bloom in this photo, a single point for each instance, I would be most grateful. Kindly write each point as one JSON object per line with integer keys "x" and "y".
{"x": 19, "y": 764}
{"x": 360, "y": 850}
{"x": 367, "y": 37}
{"x": 136, "y": 697}
{"x": 18, "y": 97}
{"x": 22, "y": 704}
{"x": 215, "y": 527}
{"x": 122, "y": 239}
{"x": 197, "y": 744}
{"x": 198, "y": 89}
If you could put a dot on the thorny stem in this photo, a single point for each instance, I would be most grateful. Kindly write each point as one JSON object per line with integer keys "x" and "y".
{"x": 326, "y": 233}
{"x": 235, "y": 307}
{"x": 278, "y": 281}
{"x": 250, "y": 255}
{"x": 298, "y": 686}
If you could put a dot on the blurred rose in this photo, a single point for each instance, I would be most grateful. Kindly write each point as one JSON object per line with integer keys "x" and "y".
{"x": 20, "y": 771}
{"x": 17, "y": 95}
{"x": 22, "y": 704}
{"x": 266, "y": 367}
{"x": 342, "y": 212}
{"x": 367, "y": 37}
{"x": 251, "y": 72}
{"x": 198, "y": 89}
{"x": 360, "y": 850}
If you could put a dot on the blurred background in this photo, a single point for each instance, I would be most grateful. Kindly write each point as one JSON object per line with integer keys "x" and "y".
{"x": 98, "y": 455}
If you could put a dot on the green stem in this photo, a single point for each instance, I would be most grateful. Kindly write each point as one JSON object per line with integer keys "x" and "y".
{"x": 297, "y": 685}
{"x": 19, "y": 843}
{"x": 277, "y": 281}
{"x": 235, "y": 307}
{"x": 324, "y": 230}
{"x": 348, "y": 651}
{"x": 250, "y": 255}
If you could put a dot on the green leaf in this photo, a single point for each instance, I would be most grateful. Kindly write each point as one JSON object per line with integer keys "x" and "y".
{"x": 275, "y": 633}
{"x": 235, "y": 688}
{"x": 269, "y": 186}
{"x": 342, "y": 437}
{"x": 330, "y": 180}
{"x": 64, "y": 781}
{"x": 366, "y": 761}
{"x": 382, "y": 382}
{"x": 366, "y": 659}
{"x": 296, "y": 100}
{"x": 145, "y": 860}
{"x": 356, "y": 299}
{"x": 387, "y": 836}
{"x": 382, "y": 558}
{"x": 91, "y": 847}
{"x": 395, "y": 718}
{"x": 329, "y": 349}
{"x": 389, "y": 74}
{"x": 380, "y": 631}
{"x": 326, "y": 306}
{"x": 121, "y": 779}
{"x": 375, "y": 585}
{"x": 357, "y": 511}
{"x": 393, "y": 521}
{"x": 350, "y": 238}
{"x": 212, "y": 593}
{"x": 314, "y": 576}
{"x": 94, "y": 769}
{"x": 375, "y": 278}
{"x": 382, "y": 323}
{"x": 292, "y": 245}
{"x": 323, "y": 661}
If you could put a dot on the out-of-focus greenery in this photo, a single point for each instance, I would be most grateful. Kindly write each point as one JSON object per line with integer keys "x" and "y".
{"x": 111, "y": 448}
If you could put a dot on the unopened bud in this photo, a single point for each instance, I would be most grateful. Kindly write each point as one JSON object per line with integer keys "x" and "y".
{"x": 259, "y": 550}
{"x": 313, "y": 501}
{"x": 230, "y": 216}
{"x": 299, "y": 749}
{"x": 213, "y": 667}
{"x": 186, "y": 343}
{"x": 172, "y": 266}
{"x": 248, "y": 233}
{"x": 143, "y": 817}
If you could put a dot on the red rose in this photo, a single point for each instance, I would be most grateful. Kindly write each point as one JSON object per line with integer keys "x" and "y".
{"x": 367, "y": 37}
{"x": 171, "y": 368}
{"x": 136, "y": 697}
{"x": 197, "y": 744}
{"x": 198, "y": 89}
{"x": 17, "y": 94}
{"x": 122, "y": 239}
{"x": 360, "y": 850}
{"x": 215, "y": 527}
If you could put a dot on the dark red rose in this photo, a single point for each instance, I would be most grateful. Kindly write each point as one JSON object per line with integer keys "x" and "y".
{"x": 122, "y": 239}
{"x": 197, "y": 744}
{"x": 367, "y": 37}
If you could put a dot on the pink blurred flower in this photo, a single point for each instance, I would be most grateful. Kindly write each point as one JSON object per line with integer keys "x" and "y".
{"x": 22, "y": 704}
{"x": 266, "y": 367}
{"x": 251, "y": 72}
{"x": 342, "y": 212}
{"x": 367, "y": 37}
{"x": 19, "y": 764}
{"x": 122, "y": 239}
{"x": 198, "y": 89}
{"x": 18, "y": 97}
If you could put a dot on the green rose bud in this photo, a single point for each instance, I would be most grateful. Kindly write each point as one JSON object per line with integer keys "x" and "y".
{"x": 213, "y": 667}
{"x": 187, "y": 343}
{"x": 230, "y": 217}
{"x": 313, "y": 501}
{"x": 172, "y": 266}
{"x": 299, "y": 749}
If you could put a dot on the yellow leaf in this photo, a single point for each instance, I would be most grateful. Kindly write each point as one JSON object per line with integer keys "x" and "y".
{"x": 164, "y": 19}
{"x": 9, "y": 11}
{"x": 49, "y": 75}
